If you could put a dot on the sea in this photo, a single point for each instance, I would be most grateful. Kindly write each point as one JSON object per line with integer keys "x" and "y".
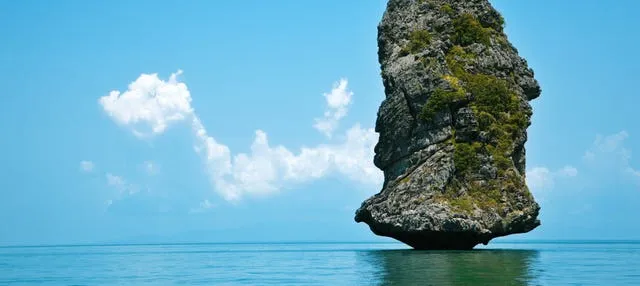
{"x": 500, "y": 263}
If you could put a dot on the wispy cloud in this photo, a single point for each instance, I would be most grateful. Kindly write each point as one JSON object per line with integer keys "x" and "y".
{"x": 87, "y": 166}
{"x": 150, "y": 167}
{"x": 633, "y": 172}
{"x": 120, "y": 184}
{"x": 151, "y": 105}
{"x": 114, "y": 181}
{"x": 204, "y": 206}
{"x": 567, "y": 171}
{"x": 610, "y": 151}
{"x": 541, "y": 180}
{"x": 607, "y": 153}
{"x": 610, "y": 146}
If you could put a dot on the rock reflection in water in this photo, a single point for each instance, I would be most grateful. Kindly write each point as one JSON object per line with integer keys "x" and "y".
{"x": 479, "y": 267}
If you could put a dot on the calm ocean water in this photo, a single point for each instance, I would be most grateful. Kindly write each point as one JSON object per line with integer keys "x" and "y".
{"x": 557, "y": 263}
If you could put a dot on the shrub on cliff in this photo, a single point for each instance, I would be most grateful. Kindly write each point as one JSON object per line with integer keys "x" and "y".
{"x": 418, "y": 41}
{"x": 468, "y": 30}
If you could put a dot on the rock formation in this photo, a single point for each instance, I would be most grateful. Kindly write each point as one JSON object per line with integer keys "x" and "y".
{"x": 452, "y": 127}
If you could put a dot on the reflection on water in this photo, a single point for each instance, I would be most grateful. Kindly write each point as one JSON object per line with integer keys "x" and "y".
{"x": 552, "y": 263}
{"x": 479, "y": 267}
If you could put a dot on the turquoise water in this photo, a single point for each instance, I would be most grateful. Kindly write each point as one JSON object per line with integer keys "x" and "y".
{"x": 557, "y": 263}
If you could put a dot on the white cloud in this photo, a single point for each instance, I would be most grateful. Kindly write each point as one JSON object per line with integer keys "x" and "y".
{"x": 120, "y": 184}
{"x": 589, "y": 156}
{"x": 114, "y": 181}
{"x": 610, "y": 151}
{"x": 609, "y": 146}
{"x": 203, "y": 207}
{"x": 150, "y": 167}
{"x": 266, "y": 169}
{"x": 87, "y": 166}
{"x": 633, "y": 172}
{"x": 541, "y": 179}
{"x": 568, "y": 171}
{"x": 612, "y": 142}
{"x": 269, "y": 168}
{"x": 607, "y": 153}
{"x": 150, "y": 104}
{"x": 338, "y": 101}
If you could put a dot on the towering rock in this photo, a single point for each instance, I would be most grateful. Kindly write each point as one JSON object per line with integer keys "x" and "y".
{"x": 452, "y": 127}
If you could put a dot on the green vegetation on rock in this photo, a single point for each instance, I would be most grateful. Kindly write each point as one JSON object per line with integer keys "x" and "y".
{"x": 452, "y": 127}
{"x": 465, "y": 157}
{"x": 468, "y": 30}
{"x": 496, "y": 107}
{"x": 418, "y": 41}
{"x": 483, "y": 195}
{"x": 457, "y": 58}
{"x": 446, "y": 8}
{"x": 495, "y": 21}
{"x": 442, "y": 98}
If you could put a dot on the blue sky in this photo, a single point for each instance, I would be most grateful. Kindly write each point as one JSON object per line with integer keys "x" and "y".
{"x": 294, "y": 87}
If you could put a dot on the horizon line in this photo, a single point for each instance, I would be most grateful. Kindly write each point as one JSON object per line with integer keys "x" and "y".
{"x": 515, "y": 241}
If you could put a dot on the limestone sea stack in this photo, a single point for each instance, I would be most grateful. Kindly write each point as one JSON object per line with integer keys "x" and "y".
{"x": 452, "y": 127}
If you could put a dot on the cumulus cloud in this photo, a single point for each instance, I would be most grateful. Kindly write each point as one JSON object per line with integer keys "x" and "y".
{"x": 338, "y": 101}
{"x": 87, "y": 166}
{"x": 267, "y": 168}
{"x": 153, "y": 104}
{"x": 150, "y": 104}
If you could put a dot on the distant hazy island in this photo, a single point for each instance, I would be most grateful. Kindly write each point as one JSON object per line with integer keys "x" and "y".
{"x": 452, "y": 127}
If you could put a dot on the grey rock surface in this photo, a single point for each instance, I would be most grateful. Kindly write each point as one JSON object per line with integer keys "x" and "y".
{"x": 427, "y": 201}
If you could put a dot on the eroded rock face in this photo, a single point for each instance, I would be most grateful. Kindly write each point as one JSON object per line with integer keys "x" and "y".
{"x": 452, "y": 127}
